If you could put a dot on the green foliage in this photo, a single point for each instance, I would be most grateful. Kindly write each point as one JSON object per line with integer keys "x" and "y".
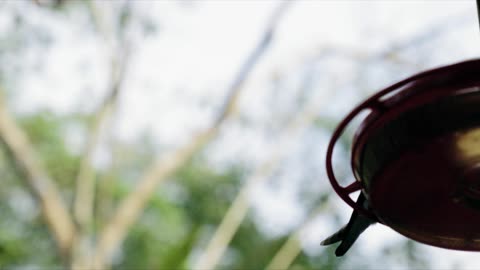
{"x": 198, "y": 180}
{"x": 171, "y": 228}
{"x": 21, "y": 242}
{"x": 325, "y": 260}
{"x": 46, "y": 133}
{"x": 168, "y": 230}
{"x": 252, "y": 249}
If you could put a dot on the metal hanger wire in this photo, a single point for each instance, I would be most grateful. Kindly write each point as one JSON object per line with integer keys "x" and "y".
{"x": 478, "y": 12}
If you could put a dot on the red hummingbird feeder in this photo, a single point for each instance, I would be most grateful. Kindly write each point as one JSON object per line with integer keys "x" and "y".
{"x": 416, "y": 157}
{"x": 416, "y": 160}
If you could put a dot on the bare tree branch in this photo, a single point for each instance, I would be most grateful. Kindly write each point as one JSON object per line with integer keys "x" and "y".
{"x": 43, "y": 188}
{"x": 84, "y": 200}
{"x": 85, "y": 189}
{"x": 85, "y": 179}
{"x": 287, "y": 254}
{"x": 132, "y": 206}
{"x": 233, "y": 218}
{"x": 284, "y": 258}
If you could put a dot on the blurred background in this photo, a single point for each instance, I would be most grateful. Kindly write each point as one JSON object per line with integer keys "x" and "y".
{"x": 192, "y": 134}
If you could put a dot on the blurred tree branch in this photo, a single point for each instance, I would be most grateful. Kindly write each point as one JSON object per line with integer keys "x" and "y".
{"x": 286, "y": 255}
{"x": 42, "y": 187}
{"x": 84, "y": 200}
{"x": 132, "y": 206}
{"x": 52, "y": 3}
{"x": 284, "y": 258}
{"x": 85, "y": 189}
{"x": 240, "y": 205}
{"x": 233, "y": 218}
{"x": 85, "y": 179}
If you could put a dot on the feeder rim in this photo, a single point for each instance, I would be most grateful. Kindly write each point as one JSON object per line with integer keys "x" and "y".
{"x": 375, "y": 104}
